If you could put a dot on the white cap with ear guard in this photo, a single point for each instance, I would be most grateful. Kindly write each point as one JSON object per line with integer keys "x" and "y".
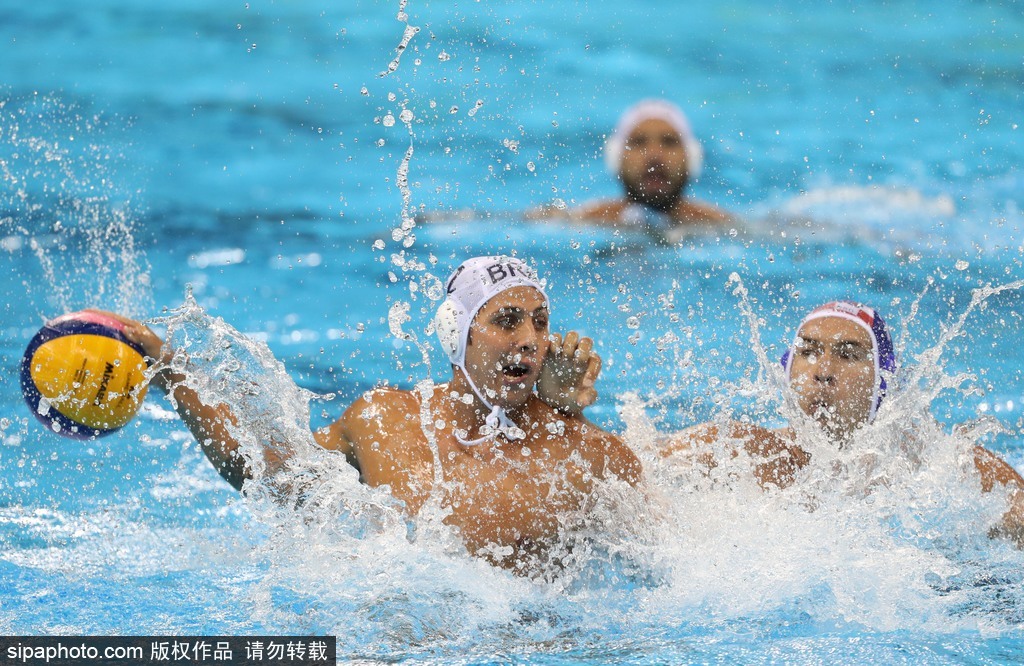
{"x": 473, "y": 283}
{"x": 653, "y": 109}
{"x": 469, "y": 288}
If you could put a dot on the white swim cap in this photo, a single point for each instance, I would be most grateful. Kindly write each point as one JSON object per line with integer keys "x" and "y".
{"x": 649, "y": 109}
{"x": 470, "y": 287}
{"x": 473, "y": 283}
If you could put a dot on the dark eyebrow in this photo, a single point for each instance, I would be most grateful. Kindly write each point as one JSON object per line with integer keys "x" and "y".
{"x": 518, "y": 309}
{"x": 849, "y": 343}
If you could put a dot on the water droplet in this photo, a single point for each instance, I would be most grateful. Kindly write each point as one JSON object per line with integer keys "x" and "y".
{"x": 633, "y": 323}
{"x": 406, "y": 116}
{"x": 397, "y": 316}
{"x": 962, "y": 265}
{"x": 388, "y": 120}
{"x": 432, "y": 287}
{"x": 443, "y": 56}
{"x": 364, "y": 91}
{"x": 378, "y": 244}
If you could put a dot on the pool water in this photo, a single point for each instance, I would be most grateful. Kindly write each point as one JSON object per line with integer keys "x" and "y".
{"x": 251, "y": 172}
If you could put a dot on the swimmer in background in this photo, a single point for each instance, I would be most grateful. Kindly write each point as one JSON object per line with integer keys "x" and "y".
{"x": 518, "y": 456}
{"x": 837, "y": 368}
{"x": 655, "y": 155}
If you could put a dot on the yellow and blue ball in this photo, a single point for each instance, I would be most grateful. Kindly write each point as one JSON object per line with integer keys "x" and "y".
{"x": 82, "y": 377}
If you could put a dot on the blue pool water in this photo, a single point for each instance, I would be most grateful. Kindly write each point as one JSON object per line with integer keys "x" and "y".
{"x": 252, "y": 152}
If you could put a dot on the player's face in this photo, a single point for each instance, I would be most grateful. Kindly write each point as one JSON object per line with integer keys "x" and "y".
{"x": 508, "y": 342}
{"x": 833, "y": 374}
{"x": 653, "y": 168}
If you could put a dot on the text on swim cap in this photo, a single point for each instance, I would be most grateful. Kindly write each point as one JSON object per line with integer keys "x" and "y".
{"x": 451, "y": 282}
{"x": 499, "y": 272}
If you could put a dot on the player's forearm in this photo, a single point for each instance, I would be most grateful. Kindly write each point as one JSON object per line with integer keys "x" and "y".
{"x": 208, "y": 424}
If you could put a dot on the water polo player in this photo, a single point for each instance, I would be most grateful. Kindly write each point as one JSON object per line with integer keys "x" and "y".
{"x": 519, "y": 458}
{"x": 655, "y": 155}
{"x": 837, "y": 367}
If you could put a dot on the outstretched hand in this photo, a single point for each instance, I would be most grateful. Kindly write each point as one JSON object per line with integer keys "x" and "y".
{"x": 569, "y": 373}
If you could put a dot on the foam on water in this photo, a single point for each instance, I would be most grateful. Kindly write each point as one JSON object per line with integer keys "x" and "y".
{"x": 878, "y": 552}
{"x": 887, "y": 535}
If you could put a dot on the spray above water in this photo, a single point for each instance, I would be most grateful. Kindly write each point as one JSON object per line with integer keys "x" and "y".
{"x": 889, "y": 531}
{"x": 64, "y": 202}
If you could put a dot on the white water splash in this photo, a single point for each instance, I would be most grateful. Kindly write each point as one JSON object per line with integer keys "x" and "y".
{"x": 889, "y": 533}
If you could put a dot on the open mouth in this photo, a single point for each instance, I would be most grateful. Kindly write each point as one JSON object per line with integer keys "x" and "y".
{"x": 516, "y": 370}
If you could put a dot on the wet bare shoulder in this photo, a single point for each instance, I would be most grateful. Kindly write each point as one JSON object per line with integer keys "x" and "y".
{"x": 388, "y": 444}
{"x": 602, "y": 210}
{"x": 691, "y": 211}
{"x": 607, "y": 454}
{"x": 380, "y": 407}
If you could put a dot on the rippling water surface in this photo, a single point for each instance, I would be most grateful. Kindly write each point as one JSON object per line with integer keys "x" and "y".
{"x": 262, "y": 157}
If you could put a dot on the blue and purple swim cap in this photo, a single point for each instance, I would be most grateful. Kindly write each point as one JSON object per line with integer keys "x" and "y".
{"x": 881, "y": 342}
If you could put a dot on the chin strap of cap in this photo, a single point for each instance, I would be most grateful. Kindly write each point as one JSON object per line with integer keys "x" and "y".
{"x": 495, "y": 422}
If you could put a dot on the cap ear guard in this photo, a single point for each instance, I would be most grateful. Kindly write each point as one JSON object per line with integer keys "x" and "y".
{"x": 446, "y": 325}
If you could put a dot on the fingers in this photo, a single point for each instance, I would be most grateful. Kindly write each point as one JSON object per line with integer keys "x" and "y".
{"x": 592, "y": 372}
{"x": 572, "y": 346}
{"x": 586, "y": 397}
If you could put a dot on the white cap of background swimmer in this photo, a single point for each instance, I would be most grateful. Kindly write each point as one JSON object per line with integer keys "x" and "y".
{"x": 650, "y": 109}
{"x": 469, "y": 288}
